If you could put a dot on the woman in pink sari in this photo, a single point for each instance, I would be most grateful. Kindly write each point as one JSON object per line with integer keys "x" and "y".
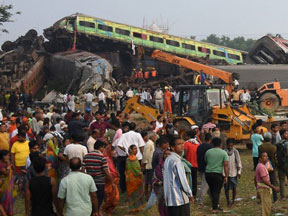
{"x": 111, "y": 189}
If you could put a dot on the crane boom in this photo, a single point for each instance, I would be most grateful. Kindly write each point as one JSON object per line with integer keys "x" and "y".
{"x": 182, "y": 62}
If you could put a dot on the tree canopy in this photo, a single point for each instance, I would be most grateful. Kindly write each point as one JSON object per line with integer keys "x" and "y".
{"x": 6, "y": 15}
{"x": 237, "y": 43}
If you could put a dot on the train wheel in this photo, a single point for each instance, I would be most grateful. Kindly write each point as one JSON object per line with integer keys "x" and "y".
{"x": 269, "y": 101}
{"x": 183, "y": 127}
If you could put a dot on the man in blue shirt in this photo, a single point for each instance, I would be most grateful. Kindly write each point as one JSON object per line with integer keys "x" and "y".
{"x": 177, "y": 192}
{"x": 257, "y": 140}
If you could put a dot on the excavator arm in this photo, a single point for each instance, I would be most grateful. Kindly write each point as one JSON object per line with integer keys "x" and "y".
{"x": 182, "y": 62}
{"x": 147, "y": 112}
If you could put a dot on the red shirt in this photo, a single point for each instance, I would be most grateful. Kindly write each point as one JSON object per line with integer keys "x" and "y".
{"x": 102, "y": 127}
{"x": 191, "y": 149}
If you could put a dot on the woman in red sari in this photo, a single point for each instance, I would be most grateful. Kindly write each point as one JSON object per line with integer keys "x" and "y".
{"x": 111, "y": 190}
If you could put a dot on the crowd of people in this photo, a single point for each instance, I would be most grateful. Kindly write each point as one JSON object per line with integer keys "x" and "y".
{"x": 86, "y": 161}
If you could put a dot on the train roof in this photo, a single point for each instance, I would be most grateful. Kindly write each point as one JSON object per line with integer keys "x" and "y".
{"x": 81, "y": 14}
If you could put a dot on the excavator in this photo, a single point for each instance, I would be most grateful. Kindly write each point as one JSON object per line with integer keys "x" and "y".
{"x": 203, "y": 102}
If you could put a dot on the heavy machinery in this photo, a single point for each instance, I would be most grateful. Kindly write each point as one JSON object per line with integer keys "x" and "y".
{"x": 146, "y": 110}
{"x": 203, "y": 102}
{"x": 271, "y": 96}
{"x": 226, "y": 77}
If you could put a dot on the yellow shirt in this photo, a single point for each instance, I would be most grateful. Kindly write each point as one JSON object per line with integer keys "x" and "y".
{"x": 4, "y": 141}
{"x": 21, "y": 151}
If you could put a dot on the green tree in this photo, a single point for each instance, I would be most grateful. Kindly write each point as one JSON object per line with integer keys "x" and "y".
{"x": 237, "y": 43}
{"x": 6, "y": 15}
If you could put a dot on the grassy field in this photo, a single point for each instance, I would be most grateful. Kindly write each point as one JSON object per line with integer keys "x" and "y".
{"x": 246, "y": 191}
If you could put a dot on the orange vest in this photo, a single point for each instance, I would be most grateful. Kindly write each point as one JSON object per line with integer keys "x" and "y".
{"x": 154, "y": 73}
{"x": 146, "y": 74}
{"x": 135, "y": 74}
{"x": 140, "y": 74}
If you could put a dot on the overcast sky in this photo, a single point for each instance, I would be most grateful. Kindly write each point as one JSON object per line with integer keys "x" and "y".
{"x": 249, "y": 18}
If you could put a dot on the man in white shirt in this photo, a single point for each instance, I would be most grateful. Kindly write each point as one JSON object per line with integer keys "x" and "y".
{"x": 92, "y": 139}
{"x": 123, "y": 143}
{"x": 132, "y": 138}
{"x": 245, "y": 96}
{"x": 75, "y": 150}
{"x": 101, "y": 101}
{"x": 159, "y": 123}
{"x": 158, "y": 96}
{"x": 88, "y": 100}
{"x": 129, "y": 94}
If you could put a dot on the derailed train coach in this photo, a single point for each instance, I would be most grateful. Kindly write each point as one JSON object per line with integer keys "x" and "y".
{"x": 97, "y": 34}
{"x": 269, "y": 50}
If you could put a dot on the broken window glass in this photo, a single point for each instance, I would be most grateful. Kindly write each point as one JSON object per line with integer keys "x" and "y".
{"x": 172, "y": 43}
{"x": 203, "y": 49}
{"x": 188, "y": 46}
{"x": 87, "y": 24}
{"x": 122, "y": 31}
{"x": 105, "y": 28}
{"x": 156, "y": 39}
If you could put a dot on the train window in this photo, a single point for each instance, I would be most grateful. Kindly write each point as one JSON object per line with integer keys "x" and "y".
{"x": 122, "y": 31}
{"x": 105, "y": 28}
{"x": 156, "y": 39}
{"x": 219, "y": 53}
{"x": 188, "y": 46}
{"x": 203, "y": 49}
{"x": 233, "y": 56}
{"x": 87, "y": 24}
{"x": 172, "y": 43}
{"x": 139, "y": 35}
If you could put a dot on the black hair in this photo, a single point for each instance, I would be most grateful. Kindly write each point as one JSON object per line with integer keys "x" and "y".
{"x": 52, "y": 128}
{"x": 259, "y": 122}
{"x": 58, "y": 119}
{"x": 158, "y": 117}
{"x": 98, "y": 113}
{"x": 3, "y": 153}
{"x": 75, "y": 114}
{"x": 282, "y": 131}
{"x": 21, "y": 134}
{"x": 190, "y": 134}
{"x": 163, "y": 139}
{"x": 77, "y": 137}
{"x": 230, "y": 140}
{"x": 132, "y": 126}
{"x": 131, "y": 147}
{"x": 173, "y": 141}
{"x": 216, "y": 142}
{"x": 273, "y": 126}
{"x": 75, "y": 163}
{"x": 208, "y": 137}
{"x": 95, "y": 131}
{"x": 118, "y": 113}
{"x": 98, "y": 144}
{"x": 282, "y": 123}
{"x": 116, "y": 123}
{"x": 261, "y": 155}
{"x": 125, "y": 124}
{"x": 33, "y": 143}
{"x": 144, "y": 133}
{"x": 22, "y": 128}
{"x": 254, "y": 126}
{"x": 39, "y": 164}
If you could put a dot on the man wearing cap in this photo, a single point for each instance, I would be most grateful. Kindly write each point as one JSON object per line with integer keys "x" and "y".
{"x": 195, "y": 129}
{"x": 271, "y": 152}
{"x": 158, "y": 96}
{"x": 167, "y": 100}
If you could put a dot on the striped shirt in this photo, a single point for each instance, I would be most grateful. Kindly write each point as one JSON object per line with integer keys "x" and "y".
{"x": 95, "y": 163}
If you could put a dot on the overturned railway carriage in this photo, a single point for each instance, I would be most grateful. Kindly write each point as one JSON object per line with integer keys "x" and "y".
{"x": 134, "y": 45}
{"x": 269, "y": 50}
